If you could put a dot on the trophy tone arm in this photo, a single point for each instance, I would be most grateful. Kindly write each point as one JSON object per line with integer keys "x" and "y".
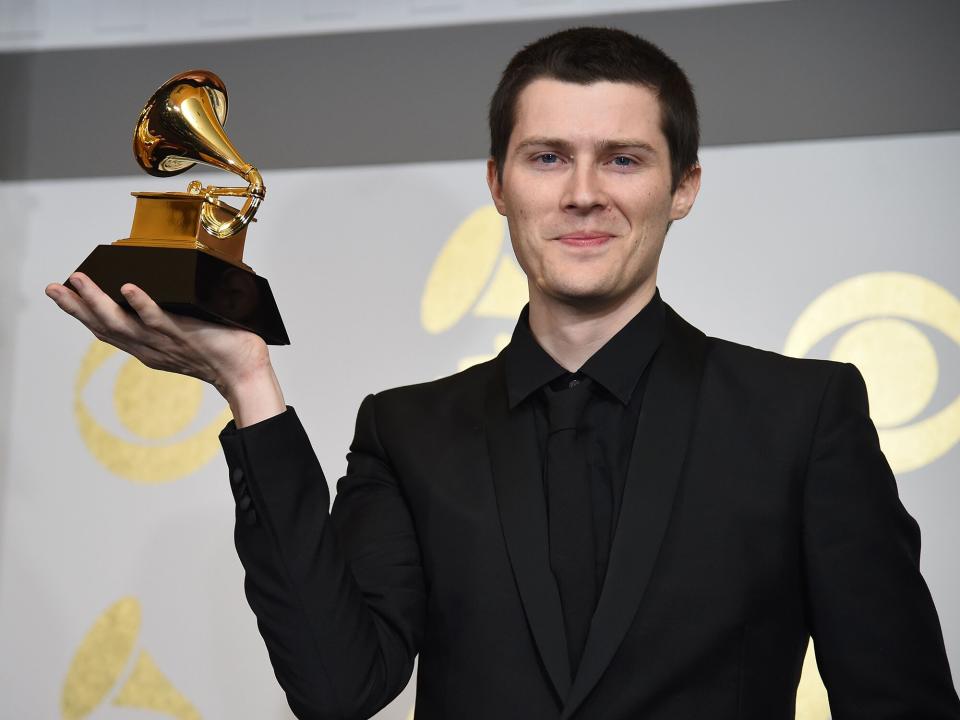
{"x": 254, "y": 193}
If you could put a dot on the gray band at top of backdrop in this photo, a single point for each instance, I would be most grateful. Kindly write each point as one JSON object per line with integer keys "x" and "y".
{"x": 781, "y": 71}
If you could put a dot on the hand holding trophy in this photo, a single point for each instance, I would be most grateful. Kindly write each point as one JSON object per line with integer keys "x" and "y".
{"x": 184, "y": 258}
{"x": 185, "y": 249}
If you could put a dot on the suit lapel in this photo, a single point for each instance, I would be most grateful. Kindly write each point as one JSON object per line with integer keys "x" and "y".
{"x": 659, "y": 447}
{"x": 511, "y": 438}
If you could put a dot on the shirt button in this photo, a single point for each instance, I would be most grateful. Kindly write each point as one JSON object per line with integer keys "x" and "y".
{"x": 236, "y": 477}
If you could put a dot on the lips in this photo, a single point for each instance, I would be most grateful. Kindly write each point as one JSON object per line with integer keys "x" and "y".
{"x": 584, "y": 238}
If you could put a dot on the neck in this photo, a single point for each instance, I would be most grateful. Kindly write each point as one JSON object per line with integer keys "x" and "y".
{"x": 571, "y": 333}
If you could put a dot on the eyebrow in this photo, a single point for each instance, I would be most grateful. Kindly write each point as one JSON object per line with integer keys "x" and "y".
{"x": 600, "y": 146}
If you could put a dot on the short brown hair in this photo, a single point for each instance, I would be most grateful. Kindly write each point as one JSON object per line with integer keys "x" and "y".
{"x": 587, "y": 55}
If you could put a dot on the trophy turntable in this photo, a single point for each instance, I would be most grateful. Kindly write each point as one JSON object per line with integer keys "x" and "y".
{"x": 185, "y": 249}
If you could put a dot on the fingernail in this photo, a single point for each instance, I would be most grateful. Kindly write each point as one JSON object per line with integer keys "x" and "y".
{"x": 75, "y": 280}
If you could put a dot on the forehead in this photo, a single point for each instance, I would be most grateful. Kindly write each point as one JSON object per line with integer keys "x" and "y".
{"x": 599, "y": 111}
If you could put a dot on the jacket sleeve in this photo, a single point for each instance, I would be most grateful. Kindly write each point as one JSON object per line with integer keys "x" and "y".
{"x": 876, "y": 633}
{"x": 339, "y": 597}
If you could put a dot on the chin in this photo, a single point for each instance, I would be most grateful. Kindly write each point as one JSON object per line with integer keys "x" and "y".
{"x": 590, "y": 293}
{"x": 582, "y": 295}
{"x": 582, "y": 284}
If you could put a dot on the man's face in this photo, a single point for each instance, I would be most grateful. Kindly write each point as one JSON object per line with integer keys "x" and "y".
{"x": 586, "y": 191}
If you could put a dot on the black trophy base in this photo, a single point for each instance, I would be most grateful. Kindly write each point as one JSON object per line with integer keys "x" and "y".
{"x": 190, "y": 282}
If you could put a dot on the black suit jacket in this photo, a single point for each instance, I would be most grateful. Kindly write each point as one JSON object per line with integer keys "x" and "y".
{"x": 758, "y": 510}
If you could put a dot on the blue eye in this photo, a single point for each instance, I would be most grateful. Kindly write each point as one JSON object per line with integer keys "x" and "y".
{"x": 548, "y": 158}
{"x": 623, "y": 161}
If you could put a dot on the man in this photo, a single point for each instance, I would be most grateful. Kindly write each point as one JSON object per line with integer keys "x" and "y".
{"x": 618, "y": 517}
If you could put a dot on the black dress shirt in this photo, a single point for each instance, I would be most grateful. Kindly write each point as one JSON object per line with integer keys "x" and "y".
{"x": 618, "y": 372}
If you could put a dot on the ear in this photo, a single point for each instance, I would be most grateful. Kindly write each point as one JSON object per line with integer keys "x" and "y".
{"x": 496, "y": 187}
{"x": 685, "y": 194}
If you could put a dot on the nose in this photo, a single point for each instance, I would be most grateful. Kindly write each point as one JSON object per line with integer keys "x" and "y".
{"x": 584, "y": 189}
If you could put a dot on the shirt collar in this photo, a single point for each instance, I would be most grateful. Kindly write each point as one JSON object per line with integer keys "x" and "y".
{"x": 617, "y": 366}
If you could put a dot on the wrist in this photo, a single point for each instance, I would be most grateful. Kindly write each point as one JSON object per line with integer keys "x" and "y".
{"x": 255, "y": 396}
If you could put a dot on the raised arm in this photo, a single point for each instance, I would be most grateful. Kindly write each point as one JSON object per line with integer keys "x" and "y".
{"x": 340, "y": 601}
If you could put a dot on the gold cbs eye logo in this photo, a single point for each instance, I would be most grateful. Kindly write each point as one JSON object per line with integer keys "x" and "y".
{"x": 104, "y": 658}
{"x": 156, "y": 409}
{"x": 898, "y": 362}
{"x": 475, "y": 274}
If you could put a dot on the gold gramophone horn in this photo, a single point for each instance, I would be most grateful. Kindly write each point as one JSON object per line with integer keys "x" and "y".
{"x": 182, "y": 124}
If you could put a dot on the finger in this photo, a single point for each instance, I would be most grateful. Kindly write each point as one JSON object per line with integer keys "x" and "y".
{"x": 110, "y": 316}
{"x": 72, "y": 304}
{"x": 151, "y": 314}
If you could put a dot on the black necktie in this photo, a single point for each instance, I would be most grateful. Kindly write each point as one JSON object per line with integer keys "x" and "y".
{"x": 572, "y": 554}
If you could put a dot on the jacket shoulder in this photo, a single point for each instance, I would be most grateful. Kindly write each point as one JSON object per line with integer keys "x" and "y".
{"x": 749, "y": 366}
{"x": 464, "y": 381}
{"x": 766, "y": 370}
{"x": 455, "y": 398}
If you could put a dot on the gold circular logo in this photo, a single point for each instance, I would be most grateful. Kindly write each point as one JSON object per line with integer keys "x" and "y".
{"x": 898, "y": 362}
{"x": 155, "y": 407}
{"x": 104, "y": 656}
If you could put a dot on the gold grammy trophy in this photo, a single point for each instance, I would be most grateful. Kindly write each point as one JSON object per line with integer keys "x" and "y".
{"x": 186, "y": 248}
